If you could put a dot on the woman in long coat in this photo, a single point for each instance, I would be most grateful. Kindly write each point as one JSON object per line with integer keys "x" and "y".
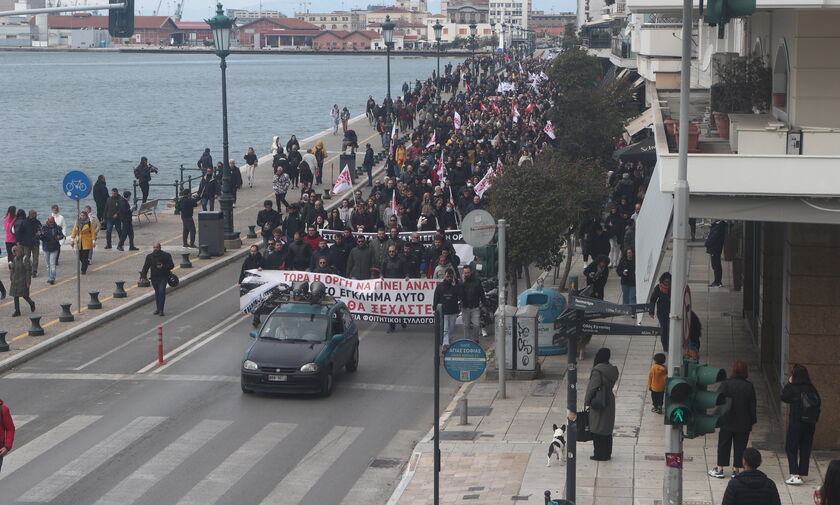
{"x": 602, "y": 421}
{"x": 21, "y": 278}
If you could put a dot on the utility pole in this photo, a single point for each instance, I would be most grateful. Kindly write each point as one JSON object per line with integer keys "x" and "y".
{"x": 672, "y": 484}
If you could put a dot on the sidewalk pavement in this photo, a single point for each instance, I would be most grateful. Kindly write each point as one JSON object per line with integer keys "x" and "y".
{"x": 111, "y": 265}
{"x": 500, "y": 456}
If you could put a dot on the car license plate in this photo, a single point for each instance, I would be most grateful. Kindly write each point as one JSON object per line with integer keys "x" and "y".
{"x": 278, "y": 378}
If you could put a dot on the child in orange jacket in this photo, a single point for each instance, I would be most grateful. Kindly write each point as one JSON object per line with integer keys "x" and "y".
{"x": 656, "y": 382}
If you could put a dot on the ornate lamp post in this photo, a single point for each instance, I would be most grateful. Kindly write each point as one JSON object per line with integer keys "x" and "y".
{"x": 473, "y": 31}
{"x": 221, "y": 26}
{"x": 502, "y": 41}
{"x": 388, "y": 37}
{"x": 438, "y": 28}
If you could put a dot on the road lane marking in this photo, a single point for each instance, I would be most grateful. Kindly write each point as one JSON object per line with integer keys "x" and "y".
{"x": 174, "y": 352}
{"x": 20, "y": 420}
{"x": 236, "y": 465}
{"x": 165, "y": 462}
{"x": 298, "y": 482}
{"x": 164, "y": 323}
{"x": 200, "y": 344}
{"x": 28, "y": 452}
{"x": 49, "y": 489}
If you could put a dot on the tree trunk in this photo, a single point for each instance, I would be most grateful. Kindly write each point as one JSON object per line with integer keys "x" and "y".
{"x": 527, "y": 277}
{"x": 570, "y": 249}
{"x": 513, "y": 292}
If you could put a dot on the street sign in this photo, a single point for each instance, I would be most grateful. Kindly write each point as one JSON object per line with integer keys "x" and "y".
{"x": 478, "y": 228}
{"x": 76, "y": 185}
{"x": 465, "y": 360}
{"x": 606, "y": 308}
{"x": 596, "y": 328}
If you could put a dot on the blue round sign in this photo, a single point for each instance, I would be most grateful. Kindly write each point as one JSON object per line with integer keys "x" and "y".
{"x": 465, "y": 361}
{"x": 76, "y": 185}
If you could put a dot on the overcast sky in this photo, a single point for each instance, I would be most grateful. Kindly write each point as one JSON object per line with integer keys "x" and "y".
{"x": 195, "y": 10}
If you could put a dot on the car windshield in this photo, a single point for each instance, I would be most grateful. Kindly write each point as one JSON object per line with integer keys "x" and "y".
{"x": 295, "y": 327}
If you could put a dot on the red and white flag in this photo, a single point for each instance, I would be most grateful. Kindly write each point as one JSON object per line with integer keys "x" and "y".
{"x": 393, "y": 147}
{"x": 499, "y": 165}
{"x": 495, "y": 107}
{"x": 549, "y": 130}
{"x": 431, "y": 141}
{"x": 343, "y": 183}
{"x": 467, "y": 86}
{"x": 529, "y": 108}
{"x": 515, "y": 112}
{"x": 485, "y": 183}
{"x": 437, "y": 174}
{"x": 483, "y": 108}
{"x": 457, "y": 121}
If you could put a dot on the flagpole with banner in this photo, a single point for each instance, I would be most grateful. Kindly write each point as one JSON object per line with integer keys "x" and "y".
{"x": 344, "y": 182}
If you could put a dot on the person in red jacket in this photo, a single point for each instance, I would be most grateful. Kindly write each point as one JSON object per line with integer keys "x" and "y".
{"x": 7, "y": 431}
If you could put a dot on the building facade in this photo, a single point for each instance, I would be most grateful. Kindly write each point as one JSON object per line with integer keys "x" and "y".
{"x": 468, "y": 11}
{"x": 551, "y": 24}
{"x": 250, "y": 14}
{"x": 344, "y": 41}
{"x": 277, "y": 32}
{"x": 515, "y": 13}
{"x": 335, "y": 21}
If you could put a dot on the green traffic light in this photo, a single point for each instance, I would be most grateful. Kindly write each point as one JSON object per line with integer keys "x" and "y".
{"x": 678, "y": 416}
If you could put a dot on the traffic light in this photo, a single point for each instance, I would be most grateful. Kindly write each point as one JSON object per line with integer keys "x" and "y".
{"x": 121, "y": 21}
{"x": 678, "y": 400}
{"x": 702, "y": 376}
{"x": 719, "y": 12}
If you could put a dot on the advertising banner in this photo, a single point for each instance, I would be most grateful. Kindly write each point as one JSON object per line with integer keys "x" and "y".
{"x": 375, "y": 300}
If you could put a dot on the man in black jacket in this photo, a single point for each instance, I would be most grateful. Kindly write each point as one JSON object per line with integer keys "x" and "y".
{"x": 300, "y": 254}
{"x": 368, "y": 164}
{"x": 186, "y": 206}
{"x": 205, "y": 161}
{"x": 714, "y": 246}
{"x": 143, "y": 174}
{"x": 268, "y": 219}
{"x": 472, "y": 298}
{"x": 160, "y": 264}
{"x": 100, "y": 196}
{"x": 275, "y": 258}
{"x": 126, "y": 225}
{"x": 27, "y": 237}
{"x": 112, "y": 216}
{"x": 393, "y": 267}
{"x": 338, "y": 254}
{"x": 751, "y": 487}
{"x": 448, "y": 295}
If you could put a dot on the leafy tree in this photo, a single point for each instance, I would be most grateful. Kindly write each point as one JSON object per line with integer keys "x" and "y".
{"x": 574, "y": 69}
{"x": 540, "y": 202}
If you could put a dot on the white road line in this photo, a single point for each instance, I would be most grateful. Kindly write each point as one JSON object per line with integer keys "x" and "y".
{"x": 28, "y": 452}
{"x": 236, "y": 465}
{"x": 200, "y": 344}
{"x": 165, "y": 462}
{"x": 173, "y": 352}
{"x": 298, "y": 482}
{"x": 145, "y": 333}
{"x": 49, "y": 489}
{"x": 20, "y": 420}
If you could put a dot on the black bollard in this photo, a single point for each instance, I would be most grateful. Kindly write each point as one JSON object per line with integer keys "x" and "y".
{"x": 251, "y": 232}
{"x": 204, "y": 252}
{"x": 120, "y": 291}
{"x": 35, "y": 329}
{"x": 327, "y": 195}
{"x": 185, "y": 260}
{"x": 143, "y": 283}
{"x": 4, "y": 346}
{"x": 94, "y": 303}
{"x": 66, "y": 316}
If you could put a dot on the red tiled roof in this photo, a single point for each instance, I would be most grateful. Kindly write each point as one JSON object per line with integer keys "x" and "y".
{"x": 287, "y": 23}
{"x": 192, "y": 25}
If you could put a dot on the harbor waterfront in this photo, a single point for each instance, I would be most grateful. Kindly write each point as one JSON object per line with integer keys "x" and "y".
{"x": 100, "y": 112}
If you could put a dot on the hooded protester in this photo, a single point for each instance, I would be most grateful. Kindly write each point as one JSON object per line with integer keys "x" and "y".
{"x": 100, "y": 196}
{"x": 602, "y": 379}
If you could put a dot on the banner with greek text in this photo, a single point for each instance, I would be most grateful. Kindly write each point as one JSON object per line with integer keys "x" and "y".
{"x": 455, "y": 237}
{"x": 375, "y": 300}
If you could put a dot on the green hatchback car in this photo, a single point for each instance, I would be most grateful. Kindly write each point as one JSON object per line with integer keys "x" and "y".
{"x": 300, "y": 348}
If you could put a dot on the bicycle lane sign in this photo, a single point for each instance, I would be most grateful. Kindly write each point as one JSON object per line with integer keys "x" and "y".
{"x": 76, "y": 185}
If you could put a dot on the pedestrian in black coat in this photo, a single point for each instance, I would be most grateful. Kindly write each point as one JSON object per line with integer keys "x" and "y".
{"x": 100, "y": 196}
{"x": 254, "y": 261}
{"x": 159, "y": 265}
{"x": 737, "y": 421}
{"x": 300, "y": 254}
{"x": 596, "y": 274}
{"x": 714, "y": 246}
{"x": 751, "y": 487}
{"x": 800, "y": 434}
{"x": 660, "y": 307}
{"x": 186, "y": 208}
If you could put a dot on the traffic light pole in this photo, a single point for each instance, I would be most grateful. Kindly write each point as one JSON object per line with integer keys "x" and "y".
{"x": 672, "y": 484}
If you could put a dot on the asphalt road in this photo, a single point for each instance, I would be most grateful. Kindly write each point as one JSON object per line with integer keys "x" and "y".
{"x": 99, "y": 423}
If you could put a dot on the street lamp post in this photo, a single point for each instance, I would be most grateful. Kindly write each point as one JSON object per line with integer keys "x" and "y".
{"x": 438, "y": 28}
{"x": 388, "y": 37}
{"x": 473, "y": 31}
{"x": 221, "y": 26}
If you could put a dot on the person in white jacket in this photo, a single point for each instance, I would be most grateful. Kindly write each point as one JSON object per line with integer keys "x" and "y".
{"x": 335, "y": 114}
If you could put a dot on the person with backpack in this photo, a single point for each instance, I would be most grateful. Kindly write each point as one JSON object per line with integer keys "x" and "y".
{"x": 803, "y": 414}
{"x": 739, "y": 416}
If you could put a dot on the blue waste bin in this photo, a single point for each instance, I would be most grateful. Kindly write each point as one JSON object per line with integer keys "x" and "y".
{"x": 550, "y": 304}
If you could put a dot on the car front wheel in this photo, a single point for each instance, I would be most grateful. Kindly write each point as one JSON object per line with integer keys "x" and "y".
{"x": 353, "y": 364}
{"x": 327, "y": 383}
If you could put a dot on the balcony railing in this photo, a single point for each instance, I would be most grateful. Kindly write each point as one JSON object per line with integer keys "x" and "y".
{"x": 621, "y": 48}
{"x": 597, "y": 42}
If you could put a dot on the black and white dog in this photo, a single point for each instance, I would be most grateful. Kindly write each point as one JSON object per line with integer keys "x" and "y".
{"x": 557, "y": 446}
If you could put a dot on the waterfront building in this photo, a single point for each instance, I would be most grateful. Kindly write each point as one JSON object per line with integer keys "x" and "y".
{"x": 769, "y": 170}
{"x": 58, "y": 30}
{"x": 551, "y": 24}
{"x": 411, "y": 24}
{"x": 452, "y": 31}
{"x": 16, "y": 32}
{"x": 513, "y": 13}
{"x": 413, "y": 5}
{"x": 277, "y": 32}
{"x": 338, "y": 20}
{"x": 192, "y": 33}
{"x": 465, "y": 12}
{"x": 340, "y": 40}
{"x": 253, "y": 14}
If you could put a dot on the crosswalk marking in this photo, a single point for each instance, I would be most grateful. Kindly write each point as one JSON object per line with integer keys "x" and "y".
{"x": 20, "y": 420}
{"x": 135, "y": 485}
{"x": 49, "y": 488}
{"x": 28, "y": 452}
{"x": 298, "y": 482}
{"x": 236, "y": 465}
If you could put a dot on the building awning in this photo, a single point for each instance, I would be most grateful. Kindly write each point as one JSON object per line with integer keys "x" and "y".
{"x": 639, "y": 82}
{"x": 652, "y": 227}
{"x": 622, "y": 75}
{"x": 644, "y": 150}
{"x": 639, "y": 123}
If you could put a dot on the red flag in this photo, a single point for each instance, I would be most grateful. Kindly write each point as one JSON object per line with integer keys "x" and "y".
{"x": 431, "y": 141}
{"x": 495, "y": 107}
{"x": 483, "y": 108}
{"x": 485, "y": 183}
{"x": 343, "y": 183}
{"x": 529, "y": 108}
{"x": 457, "y": 121}
{"x": 549, "y": 130}
{"x": 467, "y": 85}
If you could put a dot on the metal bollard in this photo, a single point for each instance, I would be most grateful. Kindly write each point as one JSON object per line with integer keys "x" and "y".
{"x": 94, "y": 303}
{"x": 251, "y": 231}
{"x": 204, "y": 252}
{"x": 177, "y": 195}
{"x": 35, "y": 329}
{"x": 185, "y": 261}
{"x": 463, "y": 411}
{"x": 327, "y": 195}
{"x": 160, "y": 361}
{"x": 66, "y": 316}
{"x": 120, "y": 291}
{"x": 4, "y": 346}
{"x": 143, "y": 283}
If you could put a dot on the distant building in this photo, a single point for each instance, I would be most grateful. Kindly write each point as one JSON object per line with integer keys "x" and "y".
{"x": 551, "y": 24}
{"x": 277, "y": 32}
{"x": 249, "y": 14}
{"x": 515, "y": 13}
{"x": 410, "y": 23}
{"x": 338, "y": 20}
{"x": 341, "y": 40}
{"x": 451, "y": 31}
{"x": 468, "y": 11}
{"x": 149, "y": 30}
{"x": 18, "y": 34}
{"x": 192, "y": 33}
{"x": 413, "y": 5}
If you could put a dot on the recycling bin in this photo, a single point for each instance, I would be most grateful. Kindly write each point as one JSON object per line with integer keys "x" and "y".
{"x": 550, "y": 304}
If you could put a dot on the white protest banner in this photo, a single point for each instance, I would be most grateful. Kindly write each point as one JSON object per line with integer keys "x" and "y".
{"x": 427, "y": 238}
{"x": 375, "y": 300}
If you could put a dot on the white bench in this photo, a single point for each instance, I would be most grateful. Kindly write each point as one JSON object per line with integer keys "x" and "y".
{"x": 147, "y": 209}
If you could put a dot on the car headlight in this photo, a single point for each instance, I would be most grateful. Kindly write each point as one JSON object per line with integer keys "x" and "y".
{"x": 309, "y": 367}
{"x": 249, "y": 365}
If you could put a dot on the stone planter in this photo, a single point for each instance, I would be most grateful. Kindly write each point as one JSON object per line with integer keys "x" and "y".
{"x": 722, "y": 124}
